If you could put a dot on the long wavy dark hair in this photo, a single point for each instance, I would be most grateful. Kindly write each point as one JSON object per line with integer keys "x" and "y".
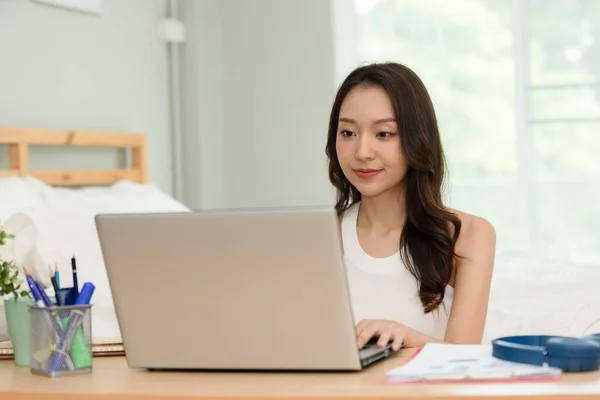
{"x": 430, "y": 232}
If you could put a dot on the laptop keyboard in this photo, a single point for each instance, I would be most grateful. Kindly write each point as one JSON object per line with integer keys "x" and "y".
{"x": 371, "y": 353}
{"x": 371, "y": 349}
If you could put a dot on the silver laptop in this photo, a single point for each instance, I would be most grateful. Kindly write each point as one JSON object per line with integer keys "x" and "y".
{"x": 260, "y": 289}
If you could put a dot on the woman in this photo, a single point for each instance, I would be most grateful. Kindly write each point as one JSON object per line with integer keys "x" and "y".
{"x": 418, "y": 271}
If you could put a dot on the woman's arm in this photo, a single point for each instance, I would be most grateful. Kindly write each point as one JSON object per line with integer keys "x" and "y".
{"x": 473, "y": 277}
{"x": 477, "y": 248}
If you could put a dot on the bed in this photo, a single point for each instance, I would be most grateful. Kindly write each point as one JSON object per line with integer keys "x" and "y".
{"x": 51, "y": 213}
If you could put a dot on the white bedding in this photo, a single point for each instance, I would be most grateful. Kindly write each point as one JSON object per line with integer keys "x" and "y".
{"x": 541, "y": 296}
{"x": 53, "y": 224}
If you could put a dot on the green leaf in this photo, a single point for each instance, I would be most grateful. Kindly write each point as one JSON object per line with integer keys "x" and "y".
{"x": 10, "y": 283}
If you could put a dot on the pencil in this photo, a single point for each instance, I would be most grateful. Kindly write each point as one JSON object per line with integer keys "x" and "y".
{"x": 53, "y": 280}
{"x": 57, "y": 276}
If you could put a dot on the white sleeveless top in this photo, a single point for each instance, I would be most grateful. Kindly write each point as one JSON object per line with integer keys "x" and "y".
{"x": 382, "y": 288}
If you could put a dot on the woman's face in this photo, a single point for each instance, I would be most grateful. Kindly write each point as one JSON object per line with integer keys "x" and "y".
{"x": 368, "y": 142}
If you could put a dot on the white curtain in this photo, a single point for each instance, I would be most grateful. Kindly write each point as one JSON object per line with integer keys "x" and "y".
{"x": 516, "y": 87}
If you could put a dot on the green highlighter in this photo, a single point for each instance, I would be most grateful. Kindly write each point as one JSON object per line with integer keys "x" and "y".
{"x": 79, "y": 349}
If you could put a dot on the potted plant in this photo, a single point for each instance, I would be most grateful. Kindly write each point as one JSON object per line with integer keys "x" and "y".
{"x": 16, "y": 305}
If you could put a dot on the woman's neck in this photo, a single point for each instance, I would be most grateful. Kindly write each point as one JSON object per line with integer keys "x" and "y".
{"x": 385, "y": 212}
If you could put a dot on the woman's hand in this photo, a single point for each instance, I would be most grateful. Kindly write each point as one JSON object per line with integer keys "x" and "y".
{"x": 386, "y": 331}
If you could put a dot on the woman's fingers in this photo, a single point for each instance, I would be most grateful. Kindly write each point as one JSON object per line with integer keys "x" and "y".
{"x": 384, "y": 337}
{"x": 383, "y": 330}
{"x": 366, "y": 333}
{"x": 398, "y": 342}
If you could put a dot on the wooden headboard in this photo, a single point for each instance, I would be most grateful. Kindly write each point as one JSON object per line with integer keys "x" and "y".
{"x": 19, "y": 140}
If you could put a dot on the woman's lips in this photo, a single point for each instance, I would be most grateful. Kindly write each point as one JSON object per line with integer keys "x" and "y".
{"x": 367, "y": 173}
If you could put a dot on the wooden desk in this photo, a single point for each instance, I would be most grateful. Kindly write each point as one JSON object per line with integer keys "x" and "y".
{"x": 112, "y": 380}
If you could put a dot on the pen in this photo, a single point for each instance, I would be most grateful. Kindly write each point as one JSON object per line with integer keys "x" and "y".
{"x": 75, "y": 284}
{"x": 43, "y": 295}
{"x": 75, "y": 289}
{"x": 35, "y": 291}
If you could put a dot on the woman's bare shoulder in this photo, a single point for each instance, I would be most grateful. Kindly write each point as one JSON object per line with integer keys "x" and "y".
{"x": 472, "y": 224}
{"x": 477, "y": 234}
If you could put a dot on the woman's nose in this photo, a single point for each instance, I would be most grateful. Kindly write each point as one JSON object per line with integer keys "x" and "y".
{"x": 364, "y": 149}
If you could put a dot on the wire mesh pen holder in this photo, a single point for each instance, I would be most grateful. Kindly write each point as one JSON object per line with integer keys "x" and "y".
{"x": 61, "y": 340}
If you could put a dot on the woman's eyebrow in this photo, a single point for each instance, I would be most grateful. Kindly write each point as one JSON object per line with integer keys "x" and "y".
{"x": 378, "y": 121}
{"x": 348, "y": 120}
{"x": 385, "y": 120}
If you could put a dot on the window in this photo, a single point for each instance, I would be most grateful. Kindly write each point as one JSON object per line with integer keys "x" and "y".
{"x": 515, "y": 84}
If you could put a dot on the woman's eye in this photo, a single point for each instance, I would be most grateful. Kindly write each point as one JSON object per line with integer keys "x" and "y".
{"x": 346, "y": 133}
{"x": 385, "y": 134}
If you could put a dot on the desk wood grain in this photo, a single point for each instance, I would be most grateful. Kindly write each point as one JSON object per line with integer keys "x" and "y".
{"x": 113, "y": 380}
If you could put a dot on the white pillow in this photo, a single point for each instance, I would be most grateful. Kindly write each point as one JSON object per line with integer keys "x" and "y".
{"x": 17, "y": 194}
{"x": 62, "y": 225}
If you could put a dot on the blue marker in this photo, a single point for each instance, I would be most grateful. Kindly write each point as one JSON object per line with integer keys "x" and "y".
{"x": 86, "y": 294}
{"x": 82, "y": 357}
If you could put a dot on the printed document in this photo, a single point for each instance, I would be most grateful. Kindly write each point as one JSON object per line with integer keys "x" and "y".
{"x": 465, "y": 362}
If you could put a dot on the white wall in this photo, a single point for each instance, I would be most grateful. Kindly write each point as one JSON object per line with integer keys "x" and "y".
{"x": 259, "y": 80}
{"x": 63, "y": 69}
